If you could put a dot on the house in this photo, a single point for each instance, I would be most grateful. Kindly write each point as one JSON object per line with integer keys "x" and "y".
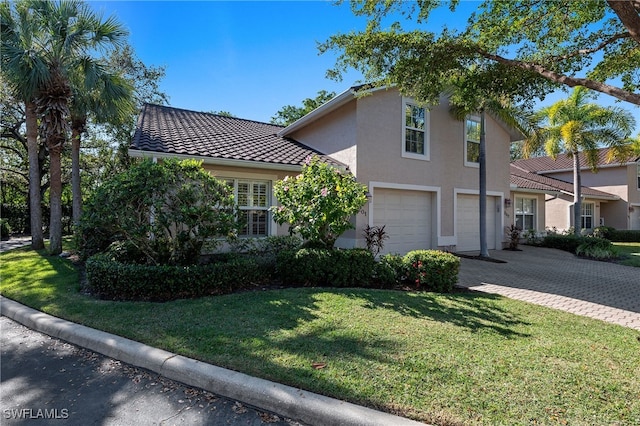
{"x": 543, "y": 192}
{"x": 420, "y": 165}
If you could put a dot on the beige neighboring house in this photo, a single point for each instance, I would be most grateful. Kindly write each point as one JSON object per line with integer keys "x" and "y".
{"x": 543, "y": 193}
{"x": 419, "y": 164}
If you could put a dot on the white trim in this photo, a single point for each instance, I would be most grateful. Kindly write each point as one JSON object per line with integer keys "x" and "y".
{"x": 499, "y": 227}
{"x": 427, "y": 131}
{"x": 441, "y": 241}
{"x": 536, "y": 213}
{"x": 216, "y": 161}
{"x": 250, "y": 177}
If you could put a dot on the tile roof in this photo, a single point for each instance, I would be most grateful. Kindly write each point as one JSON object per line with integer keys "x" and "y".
{"x": 565, "y": 162}
{"x": 524, "y": 179}
{"x": 168, "y": 130}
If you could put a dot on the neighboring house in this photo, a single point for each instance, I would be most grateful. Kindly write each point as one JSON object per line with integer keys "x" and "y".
{"x": 543, "y": 193}
{"x": 421, "y": 166}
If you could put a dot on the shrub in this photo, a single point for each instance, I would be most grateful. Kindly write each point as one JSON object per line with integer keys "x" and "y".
{"x": 532, "y": 237}
{"x": 374, "y": 237}
{"x": 323, "y": 267}
{"x": 318, "y": 203}
{"x": 568, "y": 242}
{"x": 5, "y": 229}
{"x": 432, "y": 269}
{"x": 625, "y": 236}
{"x": 390, "y": 270}
{"x": 166, "y": 211}
{"x": 514, "y": 236}
{"x": 109, "y": 279}
{"x": 597, "y": 248}
{"x": 603, "y": 232}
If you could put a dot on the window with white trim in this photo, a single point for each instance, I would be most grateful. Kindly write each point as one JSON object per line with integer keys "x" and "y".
{"x": 253, "y": 199}
{"x": 415, "y": 137}
{"x": 586, "y": 219}
{"x": 525, "y": 213}
{"x": 472, "y": 141}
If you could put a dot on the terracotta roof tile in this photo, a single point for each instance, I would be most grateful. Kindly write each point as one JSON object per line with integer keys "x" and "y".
{"x": 565, "y": 162}
{"x": 170, "y": 130}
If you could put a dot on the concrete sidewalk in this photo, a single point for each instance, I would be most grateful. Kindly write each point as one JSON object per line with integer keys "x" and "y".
{"x": 557, "y": 279}
{"x": 293, "y": 403}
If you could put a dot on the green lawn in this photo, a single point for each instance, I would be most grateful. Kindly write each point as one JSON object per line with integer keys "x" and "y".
{"x": 632, "y": 250}
{"x": 463, "y": 358}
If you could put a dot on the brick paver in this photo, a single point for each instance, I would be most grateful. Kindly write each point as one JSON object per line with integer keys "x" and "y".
{"x": 559, "y": 280}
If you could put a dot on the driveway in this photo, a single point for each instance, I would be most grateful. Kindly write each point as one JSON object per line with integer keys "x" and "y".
{"x": 558, "y": 279}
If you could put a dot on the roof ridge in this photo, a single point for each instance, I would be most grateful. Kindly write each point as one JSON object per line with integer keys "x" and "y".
{"x": 210, "y": 114}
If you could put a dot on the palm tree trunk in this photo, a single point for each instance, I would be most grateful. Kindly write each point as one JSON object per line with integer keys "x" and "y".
{"x": 482, "y": 160}
{"x": 55, "y": 201}
{"x": 75, "y": 175}
{"x": 577, "y": 194}
{"x": 35, "y": 200}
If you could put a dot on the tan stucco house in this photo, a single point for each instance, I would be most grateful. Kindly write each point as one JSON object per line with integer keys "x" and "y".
{"x": 420, "y": 164}
{"x": 543, "y": 192}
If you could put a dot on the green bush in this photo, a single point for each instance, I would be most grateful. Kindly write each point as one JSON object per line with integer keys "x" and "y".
{"x": 568, "y": 242}
{"x": 323, "y": 267}
{"x": 603, "y": 232}
{"x": 597, "y": 248}
{"x": 110, "y": 279}
{"x": 432, "y": 269}
{"x": 625, "y": 236}
{"x": 390, "y": 270}
{"x": 5, "y": 229}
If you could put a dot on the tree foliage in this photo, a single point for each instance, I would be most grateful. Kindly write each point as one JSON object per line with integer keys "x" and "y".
{"x": 290, "y": 113}
{"x": 158, "y": 213}
{"x": 543, "y": 44}
{"x": 318, "y": 203}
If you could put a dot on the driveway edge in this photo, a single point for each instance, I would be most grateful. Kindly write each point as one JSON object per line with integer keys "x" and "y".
{"x": 287, "y": 401}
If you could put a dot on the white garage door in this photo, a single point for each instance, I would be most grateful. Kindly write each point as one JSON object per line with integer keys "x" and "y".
{"x": 406, "y": 216}
{"x": 468, "y": 228}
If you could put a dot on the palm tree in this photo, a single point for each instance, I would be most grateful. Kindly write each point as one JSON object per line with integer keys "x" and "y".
{"x": 574, "y": 125}
{"x": 107, "y": 99}
{"x": 70, "y": 31}
{"x": 25, "y": 72}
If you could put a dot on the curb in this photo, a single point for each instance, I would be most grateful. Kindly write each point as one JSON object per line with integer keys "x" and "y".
{"x": 307, "y": 407}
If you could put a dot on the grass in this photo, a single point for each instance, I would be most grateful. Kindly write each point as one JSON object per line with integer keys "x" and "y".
{"x": 463, "y": 358}
{"x": 632, "y": 251}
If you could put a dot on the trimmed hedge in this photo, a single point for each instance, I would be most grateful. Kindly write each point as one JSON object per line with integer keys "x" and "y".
{"x": 432, "y": 269}
{"x": 113, "y": 280}
{"x": 569, "y": 242}
{"x": 625, "y": 236}
{"x": 324, "y": 267}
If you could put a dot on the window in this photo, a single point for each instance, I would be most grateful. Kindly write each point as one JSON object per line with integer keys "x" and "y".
{"x": 415, "y": 138}
{"x": 472, "y": 141}
{"x": 253, "y": 200}
{"x": 525, "y": 213}
{"x": 586, "y": 221}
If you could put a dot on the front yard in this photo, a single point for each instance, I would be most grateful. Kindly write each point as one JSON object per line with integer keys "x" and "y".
{"x": 632, "y": 250}
{"x": 461, "y": 358}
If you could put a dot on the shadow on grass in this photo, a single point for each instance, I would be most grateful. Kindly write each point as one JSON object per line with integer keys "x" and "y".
{"x": 470, "y": 310}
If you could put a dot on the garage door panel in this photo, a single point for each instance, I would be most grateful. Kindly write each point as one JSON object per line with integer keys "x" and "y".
{"x": 406, "y": 216}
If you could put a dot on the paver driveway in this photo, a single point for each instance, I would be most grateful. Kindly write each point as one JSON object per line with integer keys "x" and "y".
{"x": 558, "y": 279}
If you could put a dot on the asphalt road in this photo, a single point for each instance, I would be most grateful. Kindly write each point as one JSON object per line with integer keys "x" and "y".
{"x": 45, "y": 381}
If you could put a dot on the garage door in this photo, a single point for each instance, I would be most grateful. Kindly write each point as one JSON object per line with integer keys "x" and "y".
{"x": 407, "y": 217}
{"x": 467, "y": 222}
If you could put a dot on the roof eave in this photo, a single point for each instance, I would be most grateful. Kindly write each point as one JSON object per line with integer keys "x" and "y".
{"x": 137, "y": 153}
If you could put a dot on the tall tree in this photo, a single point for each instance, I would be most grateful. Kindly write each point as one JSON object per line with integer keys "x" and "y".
{"x": 70, "y": 33}
{"x": 290, "y": 113}
{"x": 575, "y": 125}
{"x": 25, "y": 71}
{"x": 591, "y": 43}
{"x": 107, "y": 99}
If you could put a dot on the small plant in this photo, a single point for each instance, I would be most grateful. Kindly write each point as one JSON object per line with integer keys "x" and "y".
{"x": 597, "y": 248}
{"x": 374, "y": 237}
{"x": 514, "y": 236}
{"x": 532, "y": 238}
{"x": 432, "y": 270}
{"x": 5, "y": 229}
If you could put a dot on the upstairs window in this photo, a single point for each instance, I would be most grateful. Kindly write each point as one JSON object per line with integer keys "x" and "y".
{"x": 415, "y": 138}
{"x": 472, "y": 141}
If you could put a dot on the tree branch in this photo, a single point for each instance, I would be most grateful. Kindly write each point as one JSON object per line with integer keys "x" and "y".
{"x": 627, "y": 12}
{"x": 601, "y": 46}
{"x": 614, "y": 91}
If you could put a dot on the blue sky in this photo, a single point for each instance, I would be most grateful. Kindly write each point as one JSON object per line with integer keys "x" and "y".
{"x": 247, "y": 58}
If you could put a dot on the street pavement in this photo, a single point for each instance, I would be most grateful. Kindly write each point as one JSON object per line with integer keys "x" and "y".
{"x": 44, "y": 380}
